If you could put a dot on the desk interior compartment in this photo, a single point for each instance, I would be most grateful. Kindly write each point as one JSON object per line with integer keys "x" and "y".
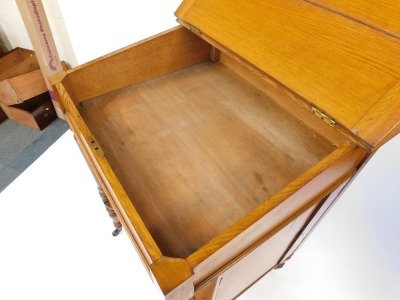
{"x": 218, "y": 141}
{"x": 198, "y": 148}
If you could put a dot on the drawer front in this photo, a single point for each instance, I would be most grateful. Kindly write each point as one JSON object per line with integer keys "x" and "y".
{"x": 268, "y": 254}
{"x": 258, "y": 261}
{"x": 319, "y": 214}
{"x": 36, "y": 113}
{"x": 44, "y": 114}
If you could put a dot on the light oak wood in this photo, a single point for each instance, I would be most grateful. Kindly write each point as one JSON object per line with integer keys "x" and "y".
{"x": 73, "y": 114}
{"x": 382, "y": 122}
{"x": 204, "y": 141}
{"x": 249, "y": 268}
{"x": 319, "y": 49}
{"x": 115, "y": 71}
{"x": 207, "y": 291}
{"x": 98, "y": 175}
{"x": 22, "y": 87}
{"x": 381, "y": 15}
{"x": 183, "y": 151}
{"x": 315, "y": 218}
{"x": 288, "y": 100}
{"x": 306, "y": 190}
{"x": 117, "y": 196}
{"x": 17, "y": 62}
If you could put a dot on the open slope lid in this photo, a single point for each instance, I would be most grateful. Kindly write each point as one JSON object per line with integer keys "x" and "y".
{"x": 345, "y": 68}
{"x": 382, "y": 15}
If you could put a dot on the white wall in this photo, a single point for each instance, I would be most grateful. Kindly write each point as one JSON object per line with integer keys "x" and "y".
{"x": 13, "y": 27}
{"x": 98, "y": 27}
{"x": 85, "y": 30}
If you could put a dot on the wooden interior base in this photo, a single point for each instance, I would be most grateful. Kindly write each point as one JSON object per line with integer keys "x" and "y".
{"x": 198, "y": 149}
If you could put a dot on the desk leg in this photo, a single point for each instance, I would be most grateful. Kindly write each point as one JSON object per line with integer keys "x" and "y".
{"x": 111, "y": 212}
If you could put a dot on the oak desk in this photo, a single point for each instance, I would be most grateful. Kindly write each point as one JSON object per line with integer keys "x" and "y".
{"x": 219, "y": 144}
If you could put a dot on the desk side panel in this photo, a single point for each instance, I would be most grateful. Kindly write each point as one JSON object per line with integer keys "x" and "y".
{"x": 217, "y": 255}
{"x": 111, "y": 186}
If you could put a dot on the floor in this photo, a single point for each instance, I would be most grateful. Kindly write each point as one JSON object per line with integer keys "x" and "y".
{"x": 21, "y": 145}
{"x": 56, "y": 242}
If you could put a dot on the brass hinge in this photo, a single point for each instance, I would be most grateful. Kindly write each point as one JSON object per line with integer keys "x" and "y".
{"x": 191, "y": 27}
{"x": 323, "y": 116}
{"x": 95, "y": 146}
{"x": 194, "y": 29}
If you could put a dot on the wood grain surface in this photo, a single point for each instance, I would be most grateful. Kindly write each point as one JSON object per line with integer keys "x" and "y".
{"x": 197, "y": 150}
{"x": 204, "y": 139}
{"x": 17, "y": 62}
{"x": 382, "y": 15}
{"x": 22, "y": 87}
{"x": 166, "y": 52}
{"x": 342, "y": 66}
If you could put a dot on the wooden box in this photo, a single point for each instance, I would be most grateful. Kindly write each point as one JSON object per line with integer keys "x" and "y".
{"x": 20, "y": 77}
{"x": 37, "y": 112}
{"x": 23, "y": 91}
{"x": 221, "y": 143}
{"x": 17, "y": 89}
{"x": 17, "y": 62}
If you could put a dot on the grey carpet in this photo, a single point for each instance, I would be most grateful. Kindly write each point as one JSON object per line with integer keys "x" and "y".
{"x": 20, "y": 146}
